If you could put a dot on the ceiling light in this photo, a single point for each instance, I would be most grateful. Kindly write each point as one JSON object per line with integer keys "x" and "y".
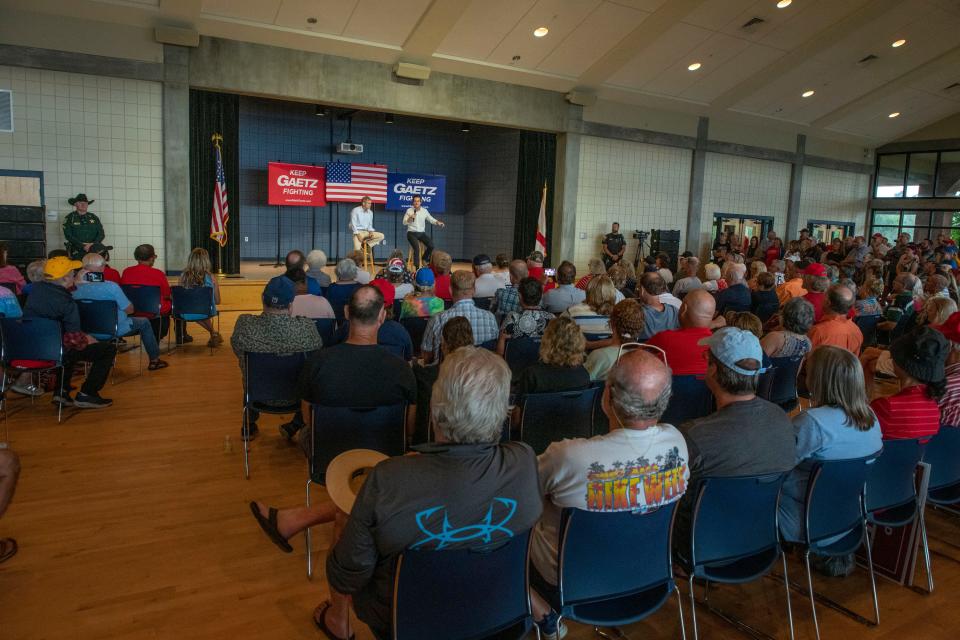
{"x": 388, "y": 118}
{"x": 808, "y": 93}
{"x": 465, "y": 127}
{"x": 783, "y": 4}
{"x": 320, "y": 111}
{"x": 539, "y": 32}
{"x": 894, "y": 114}
{"x": 898, "y": 43}
{"x": 694, "y": 66}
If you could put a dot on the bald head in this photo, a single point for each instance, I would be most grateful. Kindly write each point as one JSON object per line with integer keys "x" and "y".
{"x": 518, "y": 271}
{"x": 697, "y": 310}
{"x": 638, "y": 390}
{"x": 839, "y": 300}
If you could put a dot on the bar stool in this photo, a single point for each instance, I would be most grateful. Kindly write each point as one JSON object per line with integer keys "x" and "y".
{"x": 367, "y": 252}
{"x": 410, "y": 266}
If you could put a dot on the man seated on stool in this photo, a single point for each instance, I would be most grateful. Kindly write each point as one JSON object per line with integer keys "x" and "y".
{"x": 94, "y": 286}
{"x": 361, "y": 223}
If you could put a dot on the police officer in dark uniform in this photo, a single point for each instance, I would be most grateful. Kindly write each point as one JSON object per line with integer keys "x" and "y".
{"x": 613, "y": 246}
{"x": 82, "y": 229}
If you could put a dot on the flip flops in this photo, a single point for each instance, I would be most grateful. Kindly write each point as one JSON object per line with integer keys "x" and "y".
{"x": 269, "y": 526}
{"x": 8, "y": 548}
{"x": 319, "y": 619}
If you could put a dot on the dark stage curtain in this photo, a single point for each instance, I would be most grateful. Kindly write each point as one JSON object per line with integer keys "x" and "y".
{"x": 538, "y": 164}
{"x": 211, "y": 113}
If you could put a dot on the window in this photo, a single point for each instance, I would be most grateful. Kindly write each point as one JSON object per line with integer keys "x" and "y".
{"x": 920, "y": 225}
{"x": 927, "y": 174}
{"x": 948, "y": 176}
{"x": 920, "y": 175}
{"x": 890, "y": 172}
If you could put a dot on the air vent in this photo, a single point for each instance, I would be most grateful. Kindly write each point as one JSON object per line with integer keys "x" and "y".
{"x": 752, "y": 22}
{"x": 6, "y": 111}
{"x": 952, "y": 88}
{"x": 865, "y": 60}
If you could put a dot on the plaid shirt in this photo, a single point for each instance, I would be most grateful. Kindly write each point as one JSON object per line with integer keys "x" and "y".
{"x": 506, "y": 300}
{"x": 483, "y": 322}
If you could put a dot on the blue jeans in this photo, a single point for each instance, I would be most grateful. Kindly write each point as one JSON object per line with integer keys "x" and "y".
{"x": 147, "y": 337}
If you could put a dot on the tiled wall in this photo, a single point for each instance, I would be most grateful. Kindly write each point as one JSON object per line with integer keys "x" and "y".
{"x": 96, "y": 135}
{"x": 478, "y": 188}
{"x": 732, "y": 184}
{"x": 835, "y": 196}
{"x": 641, "y": 186}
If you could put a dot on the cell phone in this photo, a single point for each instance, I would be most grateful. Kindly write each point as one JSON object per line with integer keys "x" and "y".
{"x": 93, "y": 276}
{"x": 550, "y": 272}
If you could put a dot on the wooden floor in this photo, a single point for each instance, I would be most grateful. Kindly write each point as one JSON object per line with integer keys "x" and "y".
{"x": 133, "y": 523}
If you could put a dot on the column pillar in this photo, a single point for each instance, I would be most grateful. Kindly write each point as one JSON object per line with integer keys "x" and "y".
{"x": 176, "y": 157}
{"x": 695, "y": 201}
{"x": 796, "y": 183}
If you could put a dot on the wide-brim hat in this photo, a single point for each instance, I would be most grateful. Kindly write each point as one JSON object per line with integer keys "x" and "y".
{"x": 80, "y": 197}
{"x": 346, "y": 474}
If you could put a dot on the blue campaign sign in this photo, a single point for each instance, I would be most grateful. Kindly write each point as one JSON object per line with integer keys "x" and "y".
{"x": 401, "y": 187}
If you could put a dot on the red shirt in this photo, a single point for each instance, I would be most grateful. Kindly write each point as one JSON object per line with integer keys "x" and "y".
{"x": 584, "y": 281}
{"x": 908, "y": 414}
{"x": 816, "y": 298}
{"x": 441, "y": 287}
{"x": 148, "y": 276}
{"x": 111, "y": 275}
{"x": 684, "y": 355}
{"x": 538, "y": 273}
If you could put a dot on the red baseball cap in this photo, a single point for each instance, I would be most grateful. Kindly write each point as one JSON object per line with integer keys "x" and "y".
{"x": 389, "y": 293}
{"x": 815, "y": 269}
{"x": 950, "y": 328}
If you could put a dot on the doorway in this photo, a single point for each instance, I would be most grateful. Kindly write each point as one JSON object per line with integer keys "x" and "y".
{"x": 826, "y": 231}
{"x": 742, "y": 226}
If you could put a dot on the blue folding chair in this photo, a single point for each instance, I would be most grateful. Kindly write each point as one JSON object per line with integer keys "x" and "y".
{"x": 783, "y": 388}
{"x": 734, "y": 538}
{"x": 194, "y": 301}
{"x": 607, "y": 589}
{"x": 415, "y": 327}
{"x": 269, "y": 386}
{"x": 594, "y": 327}
{"x": 868, "y": 327}
{"x": 520, "y": 353}
{"x": 891, "y": 495}
{"x": 463, "y": 594}
{"x": 327, "y": 328}
{"x": 550, "y": 417}
{"x": 334, "y": 430}
{"x": 30, "y": 345}
{"x": 144, "y": 298}
{"x": 489, "y": 345}
{"x": 690, "y": 399}
{"x": 483, "y": 303}
{"x": 100, "y": 319}
{"x": 836, "y": 524}
{"x": 942, "y": 453}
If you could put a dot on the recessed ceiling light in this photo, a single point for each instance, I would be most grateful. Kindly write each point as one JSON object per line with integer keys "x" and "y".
{"x": 898, "y": 43}
{"x": 894, "y": 114}
{"x": 808, "y": 93}
{"x": 783, "y": 4}
{"x": 539, "y": 32}
{"x": 694, "y": 66}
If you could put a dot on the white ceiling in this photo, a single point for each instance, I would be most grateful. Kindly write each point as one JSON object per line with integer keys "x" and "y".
{"x": 637, "y": 51}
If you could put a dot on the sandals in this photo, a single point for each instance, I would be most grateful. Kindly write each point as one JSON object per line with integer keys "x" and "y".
{"x": 157, "y": 364}
{"x": 319, "y": 620}
{"x": 269, "y": 526}
{"x": 8, "y": 548}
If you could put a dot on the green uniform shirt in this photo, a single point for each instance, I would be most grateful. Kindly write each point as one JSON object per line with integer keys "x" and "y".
{"x": 81, "y": 229}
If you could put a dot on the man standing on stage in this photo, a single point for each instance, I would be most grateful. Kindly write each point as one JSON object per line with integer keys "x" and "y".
{"x": 613, "y": 246}
{"x": 415, "y": 221}
{"x": 361, "y": 222}
{"x": 82, "y": 229}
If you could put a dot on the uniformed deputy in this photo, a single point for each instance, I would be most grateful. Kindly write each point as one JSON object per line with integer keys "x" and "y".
{"x": 82, "y": 229}
{"x": 613, "y": 246}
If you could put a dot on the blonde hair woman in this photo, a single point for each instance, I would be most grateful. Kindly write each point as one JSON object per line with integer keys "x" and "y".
{"x": 936, "y": 310}
{"x": 756, "y": 268}
{"x": 561, "y": 361}
{"x": 197, "y": 274}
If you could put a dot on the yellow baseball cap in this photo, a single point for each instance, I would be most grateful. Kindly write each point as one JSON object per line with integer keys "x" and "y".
{"x": 60, "y": 266}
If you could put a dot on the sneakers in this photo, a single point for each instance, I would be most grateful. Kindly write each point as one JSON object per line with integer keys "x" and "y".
{"x": 64, "y": 399}
{"x": 84, "y": 401}
{"x": 254, "y": 431}
{"x": 551, "y": 627}
{"x": 215, "y": 340}
{"x": 27, "y": 390}
{"x": 184, "y": 340}
{"x": 289, "y": 430}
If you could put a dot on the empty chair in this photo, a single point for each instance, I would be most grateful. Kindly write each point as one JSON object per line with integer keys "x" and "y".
{"x": 548, "y": 417}
{"x": 609, "y": 589}
{"x": 733, "y": 545}
{"x": 30, "y": 345}
{"x": 942, "y": 453}
{"x": 461, "y": 594}
{"x": 891, "y": 495}
{"x": 836, "y": 523}
{"x": 521, "y": 352}
{"x": 690, "y": 399}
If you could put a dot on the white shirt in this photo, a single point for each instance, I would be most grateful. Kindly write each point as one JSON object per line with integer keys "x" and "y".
{"x": 361, "y": 219}
{"x": 487, "y": 285}
{"x": 402, "y": 290}
{"x": 669, "y": 298}
{"x": 666, "y": 274}
{"x": 363, "y": 276}
{"x": 415, "y": 220}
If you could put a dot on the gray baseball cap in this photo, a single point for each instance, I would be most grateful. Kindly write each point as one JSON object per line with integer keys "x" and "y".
{"x": 730, "y": 345}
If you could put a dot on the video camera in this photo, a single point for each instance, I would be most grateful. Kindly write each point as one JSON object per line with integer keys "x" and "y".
{"x": 641, "y": 235}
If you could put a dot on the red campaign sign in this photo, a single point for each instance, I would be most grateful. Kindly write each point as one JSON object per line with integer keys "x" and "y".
{"x": 296, "y": 185}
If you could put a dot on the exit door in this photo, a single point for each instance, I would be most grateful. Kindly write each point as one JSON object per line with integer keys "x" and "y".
{"x": 743, "y": 227}
{"x": 826, "y": 231}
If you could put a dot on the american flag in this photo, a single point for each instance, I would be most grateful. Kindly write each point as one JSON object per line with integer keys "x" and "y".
{"x": 220, "y": 213}
{"x": 349, "y": 182}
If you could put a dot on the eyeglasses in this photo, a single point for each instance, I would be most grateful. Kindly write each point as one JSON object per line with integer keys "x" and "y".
{"x": 627, "y": 347}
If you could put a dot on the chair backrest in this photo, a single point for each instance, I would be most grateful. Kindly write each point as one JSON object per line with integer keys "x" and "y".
{"x": 9, "y": 285}
{"x": 722, "y": 532}
{"x": 327, "y": 328}
{"x": 98, "y": 318}
{"x": 396, "y": 308}
{"x": 462, "y": 593}
{"x": 31, "y": 339}
{"x": 549, "y": 417}
{"x": 144, "y": 298}
{"x": 396, "y": 349}
{"x": 193, "y": 300}
{"x": 784, "y": 387}
{"x": 521, "y": 352}
{"x": 483, "y": 303}
{"x": 415, "y": 327}
{"x": 339, "y": 429}
{"x": 271, "y": 376}
{"x": 489, "y": 345}
{"x": 891, "y": 480}
{"x": 834, "y": 501}
{"x": 594, "y": 327}
{"x": 942, "y": 453}
{"x": 868, "y": 327}
{"x": 765, "y": 384}
{"x": 690, "y": 399}
{"x": 590, "y": 572}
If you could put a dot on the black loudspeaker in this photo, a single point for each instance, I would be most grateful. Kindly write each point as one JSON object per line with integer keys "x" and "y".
{"x": 668, "y": 242}
{"x": 24, "y": 231}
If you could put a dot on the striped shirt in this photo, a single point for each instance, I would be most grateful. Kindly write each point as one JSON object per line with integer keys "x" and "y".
{"x": 483, "y": 323}
{"x": 950, "y": 402}
{"x": 908, "y": 414}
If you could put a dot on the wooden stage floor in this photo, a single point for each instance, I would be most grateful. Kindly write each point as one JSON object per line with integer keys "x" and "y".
{"x": 133, "y": 524}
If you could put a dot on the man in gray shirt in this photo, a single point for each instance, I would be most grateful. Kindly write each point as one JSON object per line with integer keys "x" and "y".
{"x": 657, "y": 316}
{"x": 566, "y": 295}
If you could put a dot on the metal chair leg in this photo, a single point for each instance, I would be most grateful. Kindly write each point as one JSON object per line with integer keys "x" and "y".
{"x": 693, "y": 609}
{"x": 873, "y": 580}
{"x": 309, "y": 539}
{"x": 246, "y": 443}
{"x": 683, "y": 628}
{"x": 813, "y": 599}
{"x": 3, "y": 404}
{"x": 786, "y": 585}
{"x": 926, "y": 551}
